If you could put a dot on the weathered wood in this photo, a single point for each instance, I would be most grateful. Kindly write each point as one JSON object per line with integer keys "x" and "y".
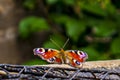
{"x": 101, "y": 70}
{"x": 90, "y": 64}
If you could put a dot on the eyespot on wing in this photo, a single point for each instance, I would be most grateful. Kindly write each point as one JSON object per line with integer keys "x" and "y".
{"x": 40, "y": 51}
{"x": 77, "y": 55}
{"x": 82, "y": 54}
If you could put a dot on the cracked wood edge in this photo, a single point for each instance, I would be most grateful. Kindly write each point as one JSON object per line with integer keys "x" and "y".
{"x": 89, "y": 64}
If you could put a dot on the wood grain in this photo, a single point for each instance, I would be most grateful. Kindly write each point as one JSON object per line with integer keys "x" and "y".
{"x": 90, "y": 64}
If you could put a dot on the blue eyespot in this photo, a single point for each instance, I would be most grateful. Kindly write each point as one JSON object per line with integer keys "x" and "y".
{"x": 52, "y": 59}
{"x": 76, "y": 62}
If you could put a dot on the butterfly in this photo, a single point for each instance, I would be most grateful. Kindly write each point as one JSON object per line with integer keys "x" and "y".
{"x": 73, "y": 58}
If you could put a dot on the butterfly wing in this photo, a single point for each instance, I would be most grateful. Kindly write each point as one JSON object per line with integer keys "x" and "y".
{"x": 50, "y": 55}
{"x": 75, "y": 57}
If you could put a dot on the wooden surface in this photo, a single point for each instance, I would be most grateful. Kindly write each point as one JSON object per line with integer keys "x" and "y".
{"x": 90, "y": 64}
{"x": 98, "y": 70}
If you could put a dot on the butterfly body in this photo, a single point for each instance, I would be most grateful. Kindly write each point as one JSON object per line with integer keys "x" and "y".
{"x": 71, "y": 57}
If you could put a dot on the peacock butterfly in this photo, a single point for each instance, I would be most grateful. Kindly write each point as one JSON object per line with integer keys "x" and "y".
{"x": 72, "y": 57}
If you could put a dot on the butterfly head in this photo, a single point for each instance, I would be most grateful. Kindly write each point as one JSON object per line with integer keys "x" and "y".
{"x": 40, "y": 51}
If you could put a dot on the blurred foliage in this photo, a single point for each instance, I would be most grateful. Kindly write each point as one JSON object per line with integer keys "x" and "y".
{"x": 91, "y": 25}
{"x": 32, "y": 24}
{"x": 35, "y": 62}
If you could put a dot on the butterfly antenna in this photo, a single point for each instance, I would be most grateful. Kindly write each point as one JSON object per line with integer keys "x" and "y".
{"x": 55, "y": 43}
{"x": 65, "y": 43}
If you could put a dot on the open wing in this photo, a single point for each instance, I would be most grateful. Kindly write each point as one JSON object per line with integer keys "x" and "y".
{"x": 50, "y": 55}
{"x": 75, "y": 57}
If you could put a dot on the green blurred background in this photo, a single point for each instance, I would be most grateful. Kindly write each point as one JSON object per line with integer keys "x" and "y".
{"x": 92, "y": 26}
